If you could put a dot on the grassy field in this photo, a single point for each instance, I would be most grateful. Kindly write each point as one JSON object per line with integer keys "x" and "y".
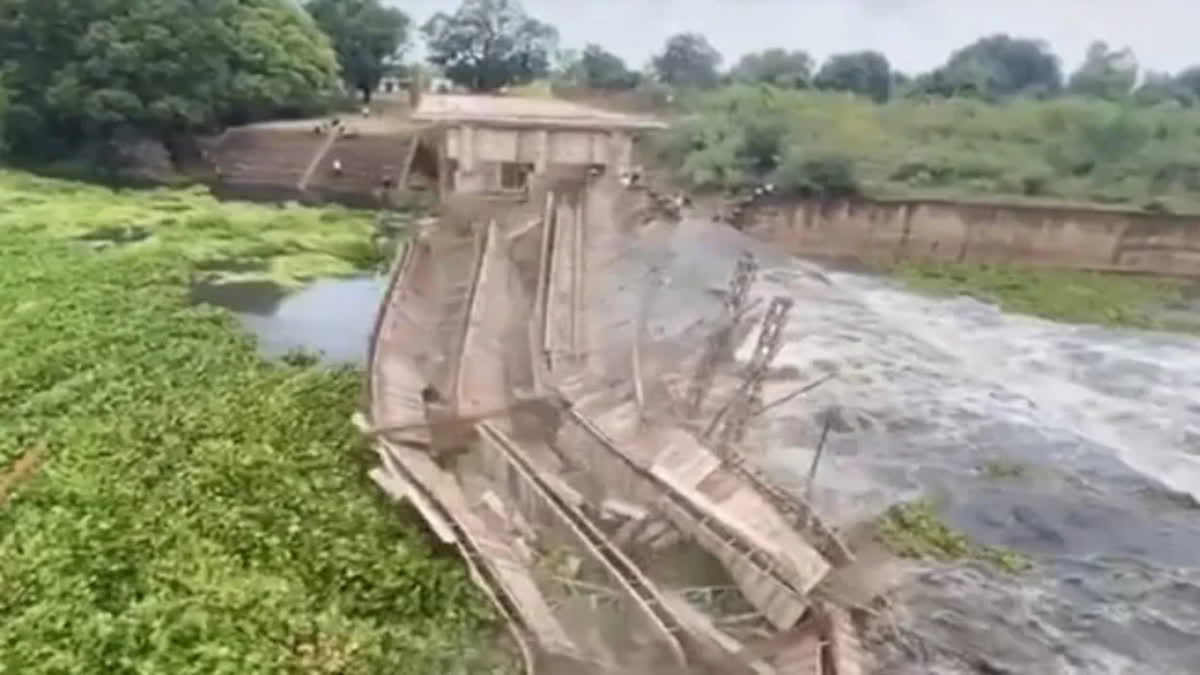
{"x": 1077, "y": 150}
{"x": 171, "y": 503}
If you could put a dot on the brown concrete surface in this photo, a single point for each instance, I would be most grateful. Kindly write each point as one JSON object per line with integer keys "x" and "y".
{"x": 519, "y": 494}
{"x": 517, "y": 110}
{"x": 1052, "y": 236}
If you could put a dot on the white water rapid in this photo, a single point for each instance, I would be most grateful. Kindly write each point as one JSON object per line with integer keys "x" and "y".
{"x": 1103, "y": 425}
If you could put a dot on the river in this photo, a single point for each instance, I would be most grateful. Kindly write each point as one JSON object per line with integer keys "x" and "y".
{"x": 1104, "y": 426}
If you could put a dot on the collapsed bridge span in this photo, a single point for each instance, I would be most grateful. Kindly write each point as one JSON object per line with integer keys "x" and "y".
{"x": 517, "y": 399}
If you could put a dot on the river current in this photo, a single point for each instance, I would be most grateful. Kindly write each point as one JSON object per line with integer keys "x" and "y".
{"x": 1104, "y": 425}
{"x": 1099, "y": 429}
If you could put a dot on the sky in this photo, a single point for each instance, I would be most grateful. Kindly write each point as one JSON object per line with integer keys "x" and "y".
{"x": 915, "y": 35}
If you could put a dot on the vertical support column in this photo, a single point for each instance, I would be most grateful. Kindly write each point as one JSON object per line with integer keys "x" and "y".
{"x": 466, "y": 148}
{"x": 541, "y": 161}
{"x": 445, "y": 178}
{"x": 620, "y": 151}
{"x": 473, "y": 176}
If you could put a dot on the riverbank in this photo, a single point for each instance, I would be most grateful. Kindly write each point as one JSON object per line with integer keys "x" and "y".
{"x": 191, "y": 507}
{"x": 1069, "y": 296}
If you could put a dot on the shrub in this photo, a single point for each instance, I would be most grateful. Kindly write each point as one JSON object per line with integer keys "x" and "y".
{"x": 828, "y": 176}
{"x": 1073, "y": 148}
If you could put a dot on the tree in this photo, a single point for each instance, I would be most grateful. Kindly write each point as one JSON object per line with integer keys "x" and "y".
{"x": 488, "y": 44}
{"x": 866, "y": 73}
{"x": 367, "y": 37}
{"x": 688, "y": 60}
{"x": 1105, "y": 73}
{"x": 1186, "y": 85}
{"x": 82, "y": 71}
{"x": 599, "y": 68}
{"x": 4, "y": 95}
{"x": 999, "y": 66}
{"x": 1157, "y": 88}
{"x": 779, "y": 67}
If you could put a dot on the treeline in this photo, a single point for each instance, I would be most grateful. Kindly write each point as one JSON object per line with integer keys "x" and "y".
{"x": 81, "y": 77}
{"x": 993, "y": 68}
{"x": 78, "y": 76}
{"x": 489, "y": 44}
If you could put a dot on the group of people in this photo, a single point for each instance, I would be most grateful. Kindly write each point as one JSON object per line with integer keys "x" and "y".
{"x": 734, "y": 213}
{"x": 335, "y": 125}
{"x": 674, "y": 205}
{"x": 332, "y": 125}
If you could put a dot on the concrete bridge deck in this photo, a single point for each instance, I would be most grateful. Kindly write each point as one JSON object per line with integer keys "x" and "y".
{"x": 507, "y": 396}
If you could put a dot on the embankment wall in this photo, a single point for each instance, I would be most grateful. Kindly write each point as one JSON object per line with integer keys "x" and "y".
{"x": 923, "y": 230}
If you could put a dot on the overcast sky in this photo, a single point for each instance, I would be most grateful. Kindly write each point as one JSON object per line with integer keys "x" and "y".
{"x": 914, "y": 34}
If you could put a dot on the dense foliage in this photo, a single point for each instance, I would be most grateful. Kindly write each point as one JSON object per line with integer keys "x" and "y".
{"x": 369, "y": 38}
{"x": 867, "y": 74}
{"x": 689, "y": 61}
{"x": 995, "y": 67}
{"x": 286, "y": 245}
{"x": 1064, "y": 148}
{"x": 488, "y": 44}
{"x": 596, "y": 68}
{"x": 195, "y": 509}
{"x": 775, "y": 66}
{"x": 84, "y": 72}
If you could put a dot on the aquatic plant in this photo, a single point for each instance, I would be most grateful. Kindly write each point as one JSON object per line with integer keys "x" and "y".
{"x": 1073, "y": 296}
{"x": 195, "y": 509}
{"x": 914, "y": 530}
{"x": 998, "y": 469}
{"x": 286, "y": 244}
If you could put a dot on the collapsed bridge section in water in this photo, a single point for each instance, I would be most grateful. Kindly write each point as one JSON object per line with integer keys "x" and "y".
{"x": 587, "y": 467}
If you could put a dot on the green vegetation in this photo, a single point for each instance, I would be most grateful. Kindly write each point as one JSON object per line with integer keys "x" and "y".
{"x": 996, "y": 469}
{"x": 1061, "y": 295}
{"x": 193, "y": 509}
{"x": 488, "y": 44}
{"x": 86, "y": 76}
{"x": 224, "y": 240}
{"x": 914, "y": 530}
{"x": 998, "y": 117}
{"x": 1070, "y": 149}
{"x": 367, "y": 37}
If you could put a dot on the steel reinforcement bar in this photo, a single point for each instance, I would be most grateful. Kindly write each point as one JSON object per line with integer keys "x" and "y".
{"x": 623, "y": 571}
{"x": 695, "y": 519}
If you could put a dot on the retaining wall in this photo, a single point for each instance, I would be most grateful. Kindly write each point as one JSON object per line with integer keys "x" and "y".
{"x": 896, "y": 230}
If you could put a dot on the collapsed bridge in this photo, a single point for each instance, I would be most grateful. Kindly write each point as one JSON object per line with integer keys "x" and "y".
{"x": 585, "y": 455}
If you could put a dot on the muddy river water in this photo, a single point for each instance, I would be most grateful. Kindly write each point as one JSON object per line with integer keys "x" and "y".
{"x": 1100, "y": 429}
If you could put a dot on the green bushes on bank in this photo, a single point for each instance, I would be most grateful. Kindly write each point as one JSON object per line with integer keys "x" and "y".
{"x": 830, "y": 143}
{"x": 1073, "y": 296}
